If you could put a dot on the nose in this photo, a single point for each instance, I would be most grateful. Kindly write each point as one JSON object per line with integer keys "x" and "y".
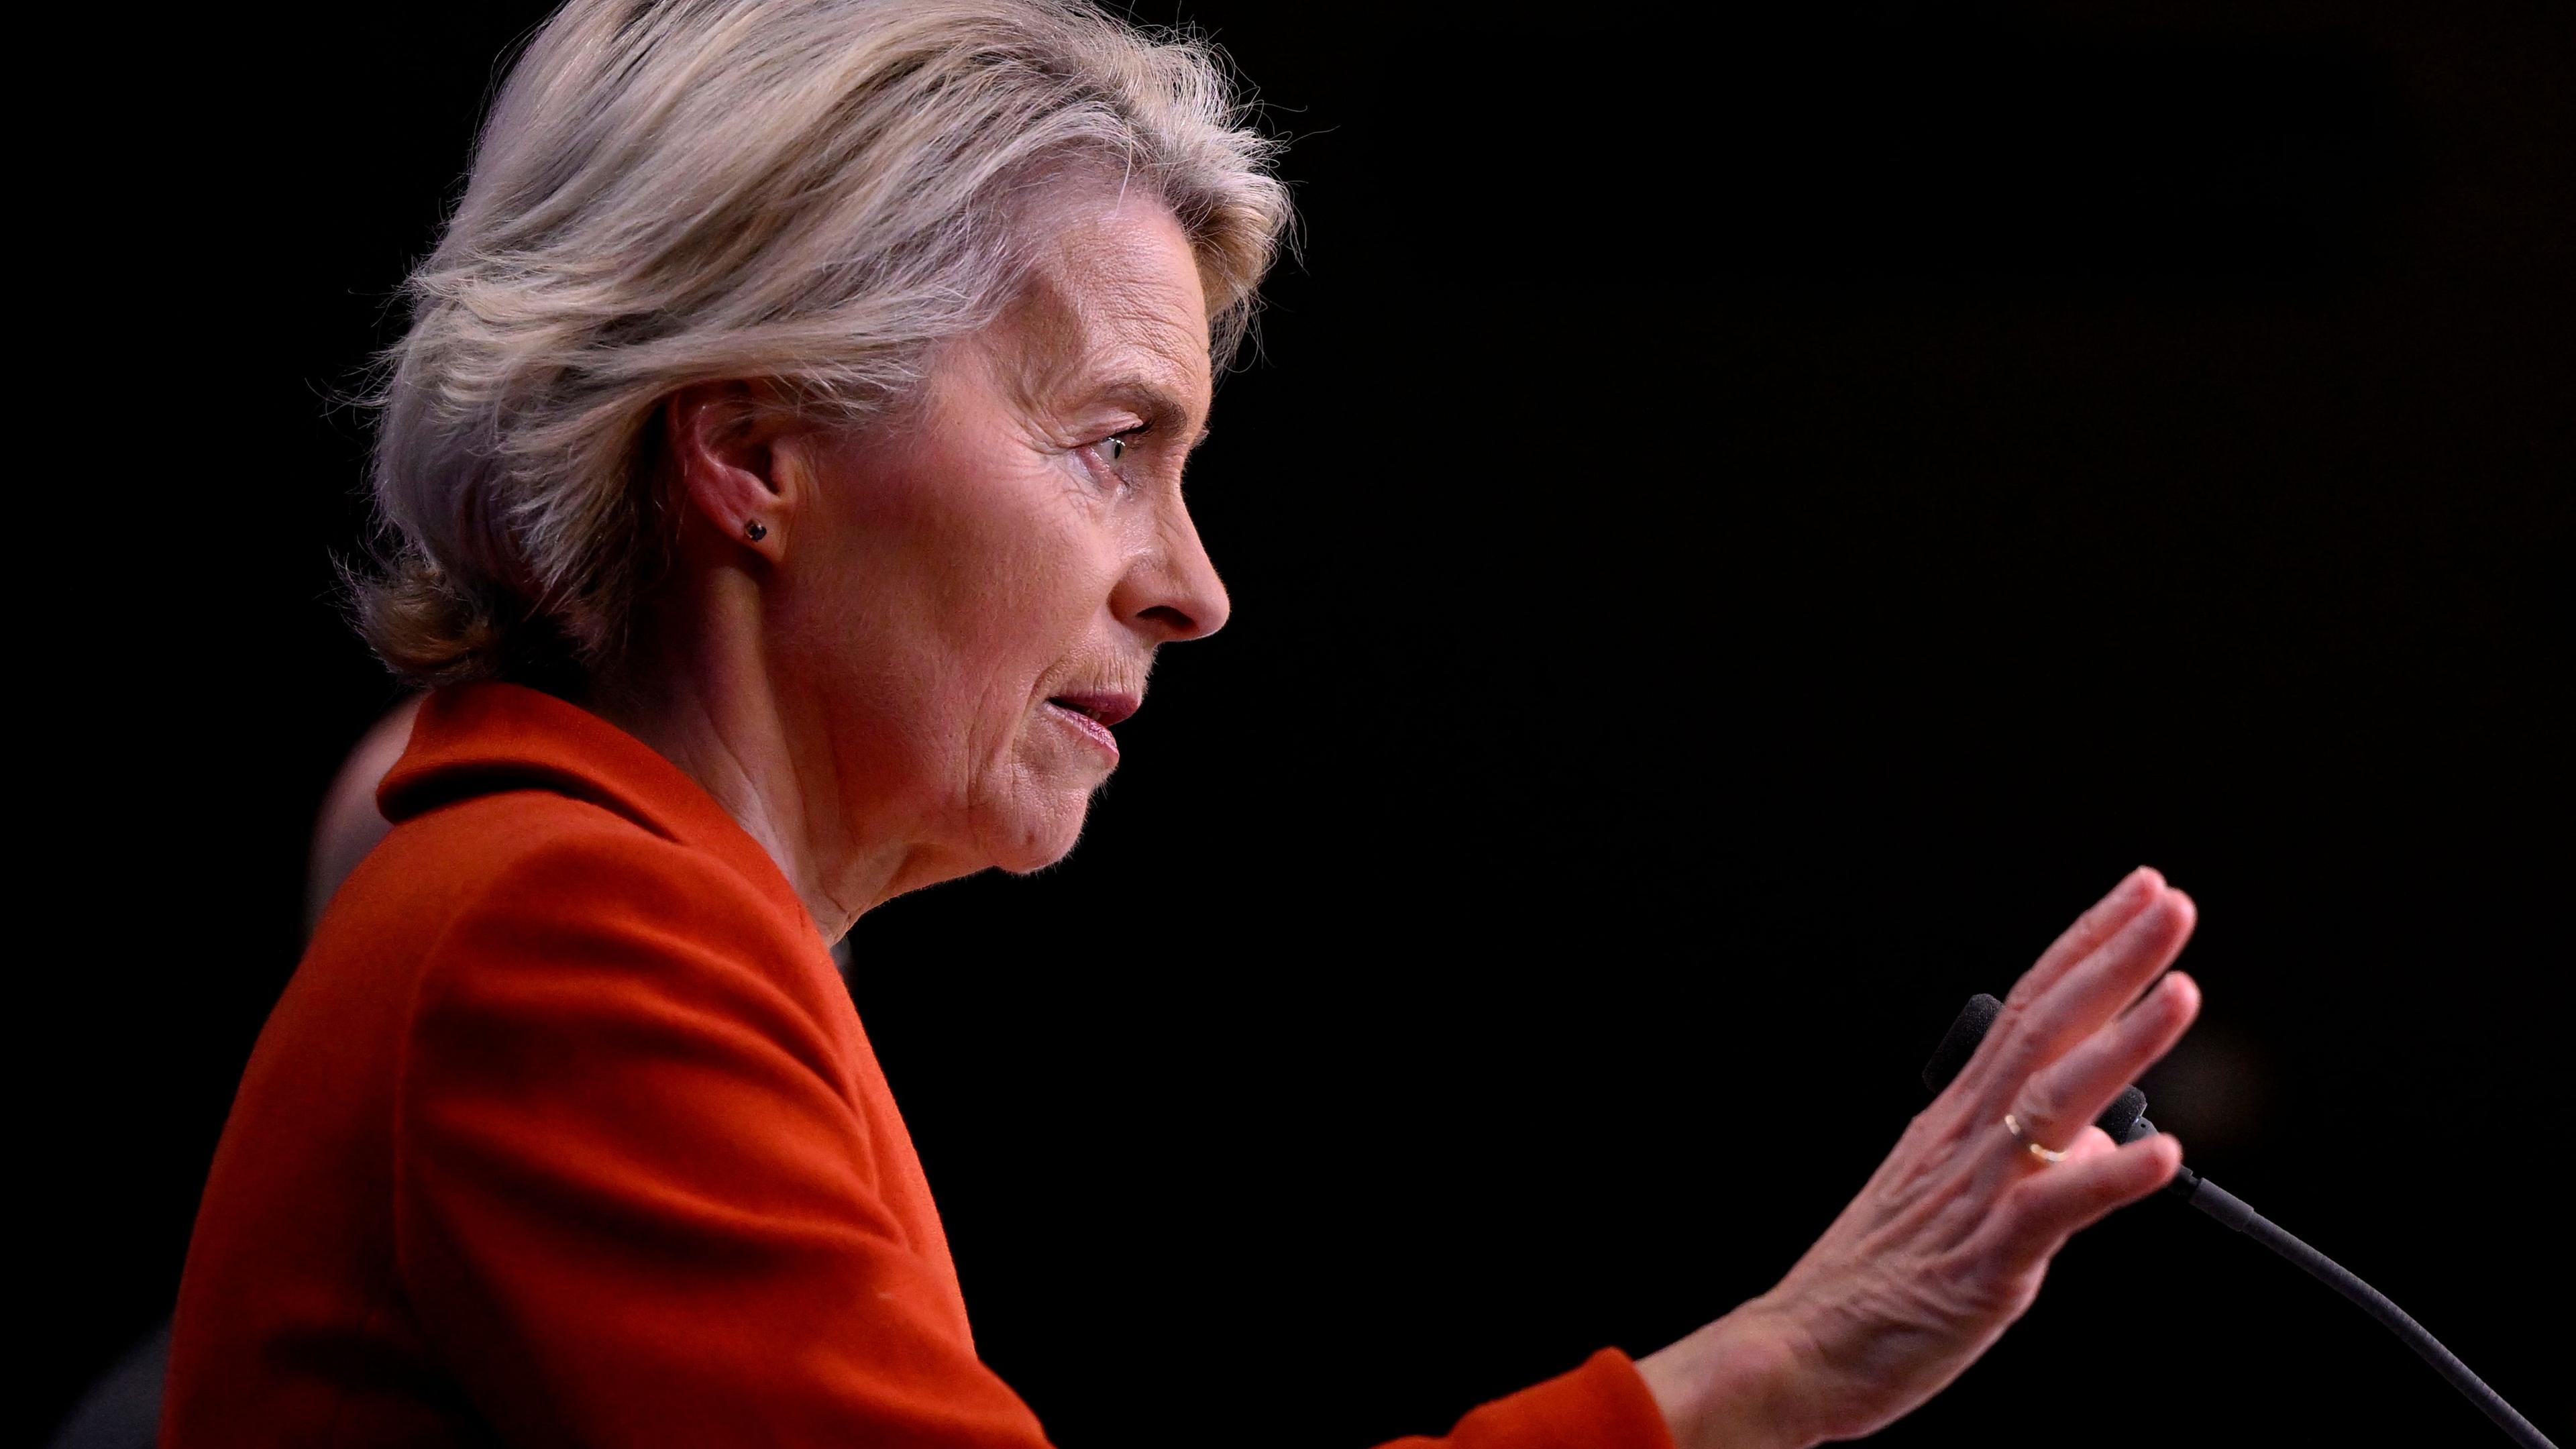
{"x": 1172, "y": 593}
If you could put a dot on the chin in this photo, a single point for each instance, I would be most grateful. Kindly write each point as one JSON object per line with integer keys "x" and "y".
{"x": 1039, "y": 835}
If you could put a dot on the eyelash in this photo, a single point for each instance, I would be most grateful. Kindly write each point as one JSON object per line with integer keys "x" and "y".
{"x": 1113, "y": 449}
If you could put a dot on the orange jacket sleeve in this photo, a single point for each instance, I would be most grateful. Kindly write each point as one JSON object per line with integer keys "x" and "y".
{"x": 1602, "y": 1405}
{"x": 637, "y": 1203}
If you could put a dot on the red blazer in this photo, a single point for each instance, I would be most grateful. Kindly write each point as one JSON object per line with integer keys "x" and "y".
{"x": 566, "y": 1132}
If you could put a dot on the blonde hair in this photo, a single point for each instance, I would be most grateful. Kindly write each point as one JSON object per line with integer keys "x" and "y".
{"x": 813, "y": 191}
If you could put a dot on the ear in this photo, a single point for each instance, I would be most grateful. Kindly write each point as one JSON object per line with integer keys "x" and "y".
{"x": 724, "y": 473}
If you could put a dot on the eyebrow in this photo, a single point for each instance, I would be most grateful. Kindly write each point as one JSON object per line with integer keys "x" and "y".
{"x": 1152, "y": 398}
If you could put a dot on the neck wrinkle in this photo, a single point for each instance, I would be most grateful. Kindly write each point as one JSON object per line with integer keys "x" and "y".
{"x": 710, "y": 706}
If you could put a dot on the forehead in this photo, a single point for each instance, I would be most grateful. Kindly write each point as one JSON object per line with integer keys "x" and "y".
{"x": 1114, "y": 291}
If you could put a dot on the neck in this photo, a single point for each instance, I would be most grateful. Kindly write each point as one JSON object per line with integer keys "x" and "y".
{"x": 706, "y": 701}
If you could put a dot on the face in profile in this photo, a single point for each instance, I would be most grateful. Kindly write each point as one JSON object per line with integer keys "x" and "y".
{"x": 978, "y": 599}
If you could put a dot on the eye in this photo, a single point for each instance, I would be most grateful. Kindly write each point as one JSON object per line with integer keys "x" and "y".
{"x": 1112, "y": 450}
{"x": 1117, "y": 445}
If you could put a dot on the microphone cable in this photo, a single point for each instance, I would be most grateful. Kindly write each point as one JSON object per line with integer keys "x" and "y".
{"x": 2126, "y": 1122}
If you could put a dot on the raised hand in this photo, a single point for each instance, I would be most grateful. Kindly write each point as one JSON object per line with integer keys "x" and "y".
{"x": 1948, "y": 1242}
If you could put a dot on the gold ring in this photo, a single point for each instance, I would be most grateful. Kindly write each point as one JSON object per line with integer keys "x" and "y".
{"x": 2042, "y": 1153}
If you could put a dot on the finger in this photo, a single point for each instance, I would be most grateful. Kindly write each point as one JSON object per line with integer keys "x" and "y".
{"x": 2089, "y": 1143}
{"x": 2097, "y": 987}
{"x": 2086, "y": 996}
{"x": 2018, "y": 1161}
{"x": 2133, "y": 894}
{"x": 2076, "y": 1088}
{"x": 2047, "y": 1208}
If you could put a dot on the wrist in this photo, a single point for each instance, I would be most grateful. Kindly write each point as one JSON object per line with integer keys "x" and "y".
{"x": 1736, "y": 1383}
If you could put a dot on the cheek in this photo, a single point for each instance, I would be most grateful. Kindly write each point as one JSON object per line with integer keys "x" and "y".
{"x": 951, "y": 590}
{"x": 1010, "y": 622}
{"x": 961, "y": 599}
{"x": 1028, "y": 778}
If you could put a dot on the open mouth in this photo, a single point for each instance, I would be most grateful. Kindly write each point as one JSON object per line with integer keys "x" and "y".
{"x": 1102, "y": 709}
{"x": 1091, "y": 715}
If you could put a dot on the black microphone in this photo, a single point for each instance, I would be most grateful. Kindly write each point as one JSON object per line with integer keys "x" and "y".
{"x": 2126, "y": 1121}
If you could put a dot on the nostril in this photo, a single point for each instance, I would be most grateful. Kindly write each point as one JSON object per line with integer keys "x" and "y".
{"x": 1170, "y": 618}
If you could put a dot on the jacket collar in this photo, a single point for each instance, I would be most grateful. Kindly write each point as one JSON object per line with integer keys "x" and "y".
{"x": 491, "y": 738}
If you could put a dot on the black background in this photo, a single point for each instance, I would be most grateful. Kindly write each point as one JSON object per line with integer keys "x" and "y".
{"x": 1737, "y": 532}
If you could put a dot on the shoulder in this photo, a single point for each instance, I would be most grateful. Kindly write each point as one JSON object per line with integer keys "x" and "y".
{"x": 539, "y": 853}
{"x": 601, "y": 991}
{"x": 534, "y": 856}
{"x": 550, "y": 882}
{"x": 534, "y": 902}
{"x": 515, "y": 806}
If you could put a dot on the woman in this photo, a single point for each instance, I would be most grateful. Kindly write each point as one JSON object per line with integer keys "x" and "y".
{"x": 784, "y": 466}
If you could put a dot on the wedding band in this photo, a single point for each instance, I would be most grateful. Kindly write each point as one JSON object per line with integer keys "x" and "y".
{"x": 2042, "y": 1153}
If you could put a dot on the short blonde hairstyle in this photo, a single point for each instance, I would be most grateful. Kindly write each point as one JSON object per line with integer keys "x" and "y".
{"x": 670, "y": 192}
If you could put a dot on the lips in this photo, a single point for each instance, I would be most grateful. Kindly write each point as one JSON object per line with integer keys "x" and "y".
{"x": 1104, "y": 709}
{"x": 1091, "y": 715}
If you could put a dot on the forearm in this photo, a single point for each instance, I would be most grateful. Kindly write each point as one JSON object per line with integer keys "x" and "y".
{"x": 1734, "y": 1384}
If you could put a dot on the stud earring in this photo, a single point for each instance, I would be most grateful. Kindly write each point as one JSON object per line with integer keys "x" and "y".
{"x": 755, "y": 530}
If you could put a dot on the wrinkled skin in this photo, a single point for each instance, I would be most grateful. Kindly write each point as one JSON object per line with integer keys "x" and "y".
{"x": 1947, "y": 1243}
{"x": 868, "y": 684}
